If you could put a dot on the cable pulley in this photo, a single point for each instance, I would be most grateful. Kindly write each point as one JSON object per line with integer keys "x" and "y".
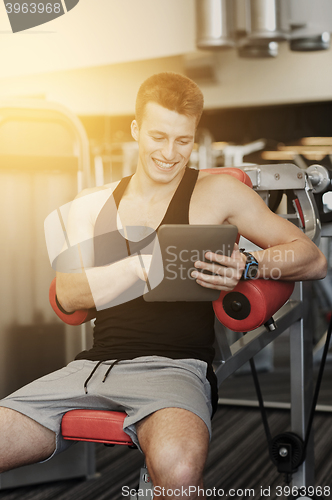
{"x": 287, "y": 452}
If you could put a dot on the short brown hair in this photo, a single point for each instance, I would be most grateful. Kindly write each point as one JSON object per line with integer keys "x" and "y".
{"x": 172, "y": 91}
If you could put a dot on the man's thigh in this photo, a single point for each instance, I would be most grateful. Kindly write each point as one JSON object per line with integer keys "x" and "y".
{"x": 45, "y": 400}
{"x": 23, "y": 440}
{"x": 156, "y": 383}
{"x": 170, "y": 425}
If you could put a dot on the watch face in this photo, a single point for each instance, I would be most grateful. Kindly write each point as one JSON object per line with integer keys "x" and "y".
{"x": 252, "y": 271}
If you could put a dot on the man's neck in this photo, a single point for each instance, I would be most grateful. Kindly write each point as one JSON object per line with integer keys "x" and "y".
{"x": 142, "y": 186}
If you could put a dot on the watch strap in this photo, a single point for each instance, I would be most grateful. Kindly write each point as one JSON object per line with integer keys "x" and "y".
{"x": 251, "y": 266}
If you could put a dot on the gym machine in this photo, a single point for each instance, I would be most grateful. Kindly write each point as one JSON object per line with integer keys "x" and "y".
{"x": 300, "y": 187}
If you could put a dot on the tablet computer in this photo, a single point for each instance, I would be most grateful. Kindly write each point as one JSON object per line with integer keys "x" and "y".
{"x": 176, "y": 249}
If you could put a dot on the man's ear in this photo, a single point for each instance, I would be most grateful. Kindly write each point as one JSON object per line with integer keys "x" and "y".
{"x": 134, "y": 130}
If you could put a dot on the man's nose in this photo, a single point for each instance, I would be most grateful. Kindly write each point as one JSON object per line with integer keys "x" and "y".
{"x": 168, "y": 150}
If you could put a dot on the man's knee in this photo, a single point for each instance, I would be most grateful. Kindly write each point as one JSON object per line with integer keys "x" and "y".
{"x": 175, "y": 443}
{"x": 173, "y": 465}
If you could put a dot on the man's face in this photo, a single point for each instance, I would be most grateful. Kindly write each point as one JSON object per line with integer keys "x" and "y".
{"x": 165, "y": 140}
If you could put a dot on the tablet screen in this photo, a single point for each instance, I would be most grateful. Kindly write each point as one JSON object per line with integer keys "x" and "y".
{"x": 179, "y": 247}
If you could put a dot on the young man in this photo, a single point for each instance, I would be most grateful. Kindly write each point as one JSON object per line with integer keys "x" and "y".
{"x": 159, "y": 354}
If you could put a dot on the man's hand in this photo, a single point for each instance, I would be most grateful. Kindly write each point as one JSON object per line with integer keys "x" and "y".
{"x": 227, "y": 271}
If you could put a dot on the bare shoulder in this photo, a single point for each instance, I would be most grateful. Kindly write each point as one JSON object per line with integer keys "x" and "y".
{"x": 213, "y": 185}
{"x": 220, "y": 198}
{"x": 217, "y": 178}
{"x": 99, "y": 190}
{"x": 91, "y": 200}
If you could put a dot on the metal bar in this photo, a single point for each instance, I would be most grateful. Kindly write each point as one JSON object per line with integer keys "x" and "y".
{"x": 222, "y": 349}
{"x": 301, "y": 373}
{"x": 253, "y": 342}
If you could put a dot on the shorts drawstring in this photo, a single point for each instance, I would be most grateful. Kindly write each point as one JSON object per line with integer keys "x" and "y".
{"x": 93, "y": 371}
{"x": 89, "y": 377}
{"x": 110, "y": 368}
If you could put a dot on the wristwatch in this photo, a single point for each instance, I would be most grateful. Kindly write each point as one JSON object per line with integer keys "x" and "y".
{"x": 251, "y": 267}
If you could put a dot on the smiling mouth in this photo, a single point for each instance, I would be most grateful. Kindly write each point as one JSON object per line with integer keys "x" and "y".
{"x": 163, "y": 165}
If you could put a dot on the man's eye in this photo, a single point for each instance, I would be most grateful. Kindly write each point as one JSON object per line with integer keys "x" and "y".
{"x": 183, "y": 143}
{"x": 157, "y": 138}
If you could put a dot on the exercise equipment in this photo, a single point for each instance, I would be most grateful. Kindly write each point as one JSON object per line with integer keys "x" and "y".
{"x": 96, "y": 426}
{"x": 252, "y": 303}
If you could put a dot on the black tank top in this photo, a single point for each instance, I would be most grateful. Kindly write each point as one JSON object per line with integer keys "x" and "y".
{"x": 136, "y": 328}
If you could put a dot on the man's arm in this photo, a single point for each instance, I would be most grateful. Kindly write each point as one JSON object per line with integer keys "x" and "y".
{"x": 97, "y": 286}
{"x": 82, "y": 285}
{"x": 287, "y": 253}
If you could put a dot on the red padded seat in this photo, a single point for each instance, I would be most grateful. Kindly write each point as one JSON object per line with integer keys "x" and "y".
{"x": 96, "y": 426}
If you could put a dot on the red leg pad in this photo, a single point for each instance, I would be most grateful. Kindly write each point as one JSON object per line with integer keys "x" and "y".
{"x": 251, "y": 303}
{"x": 98, "y": 426}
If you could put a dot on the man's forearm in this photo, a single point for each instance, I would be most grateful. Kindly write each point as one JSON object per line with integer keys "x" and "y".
{"x": 96, "y": 286}
{"x": 294, "y": 261}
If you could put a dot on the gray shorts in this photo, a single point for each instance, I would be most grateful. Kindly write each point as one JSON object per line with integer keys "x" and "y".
{"x": 138, "y": 387}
